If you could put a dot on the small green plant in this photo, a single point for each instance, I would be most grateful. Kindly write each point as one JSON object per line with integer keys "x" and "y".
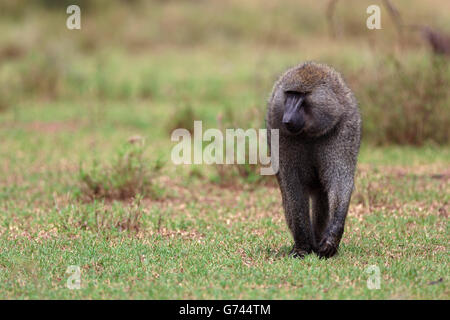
{"x": 183, "y": 118}
{"x": 128, "y": 176}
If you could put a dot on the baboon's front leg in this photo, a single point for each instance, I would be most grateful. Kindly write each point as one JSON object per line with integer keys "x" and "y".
{"x": 296, "y": 209}
{"x": 339, "y": 200}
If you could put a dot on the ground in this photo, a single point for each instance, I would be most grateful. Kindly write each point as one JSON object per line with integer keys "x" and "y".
{"x": 203, "y": 239}
{"x": 201, "y": 232}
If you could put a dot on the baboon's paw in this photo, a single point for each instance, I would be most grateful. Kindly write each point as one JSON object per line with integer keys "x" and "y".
{"x": 298, "y": 253}
{"x": 327, "y": 248}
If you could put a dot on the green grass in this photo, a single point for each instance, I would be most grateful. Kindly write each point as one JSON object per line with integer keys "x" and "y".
{"x": 202, "y": 240}
{"x": 234, "y": 246}
{"x": 197, "y": 238}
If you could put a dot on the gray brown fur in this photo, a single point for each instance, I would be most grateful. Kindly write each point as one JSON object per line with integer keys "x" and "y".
{"x": 318, "y": 163}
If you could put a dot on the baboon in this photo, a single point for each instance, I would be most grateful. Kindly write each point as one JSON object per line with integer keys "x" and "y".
{"x": 319, "y": 137}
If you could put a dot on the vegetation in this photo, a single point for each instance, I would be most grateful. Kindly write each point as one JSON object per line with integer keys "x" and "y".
{"x": 75, "y": 189}
{"x": 129, "y": 176}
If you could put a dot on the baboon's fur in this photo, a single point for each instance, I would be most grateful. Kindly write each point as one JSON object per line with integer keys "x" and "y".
{"x": 319, "y": 162}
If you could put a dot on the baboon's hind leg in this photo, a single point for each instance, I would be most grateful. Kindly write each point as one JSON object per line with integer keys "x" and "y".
{"x": 320, "y": 215}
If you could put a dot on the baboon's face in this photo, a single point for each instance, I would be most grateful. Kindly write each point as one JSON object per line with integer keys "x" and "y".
{"x": 309, "y": 113}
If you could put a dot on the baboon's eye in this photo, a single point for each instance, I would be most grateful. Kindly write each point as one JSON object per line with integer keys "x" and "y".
{"x": 294, "y": 97}
{"x": 296, "y": 93}
{"x": 292, "y": 92}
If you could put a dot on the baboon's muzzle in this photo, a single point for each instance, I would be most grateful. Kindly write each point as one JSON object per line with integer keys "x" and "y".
{"x": 293, "y": 117}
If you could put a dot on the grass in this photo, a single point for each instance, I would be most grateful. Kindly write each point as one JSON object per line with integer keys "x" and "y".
{"x": 210, "y": 242}
{"x": 208, "y": 232}
{"x": 203, "y": 240}
{"x": 128, "y": 177}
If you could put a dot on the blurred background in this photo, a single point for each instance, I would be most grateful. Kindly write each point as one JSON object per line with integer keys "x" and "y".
{"x": 180, "y": 60}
